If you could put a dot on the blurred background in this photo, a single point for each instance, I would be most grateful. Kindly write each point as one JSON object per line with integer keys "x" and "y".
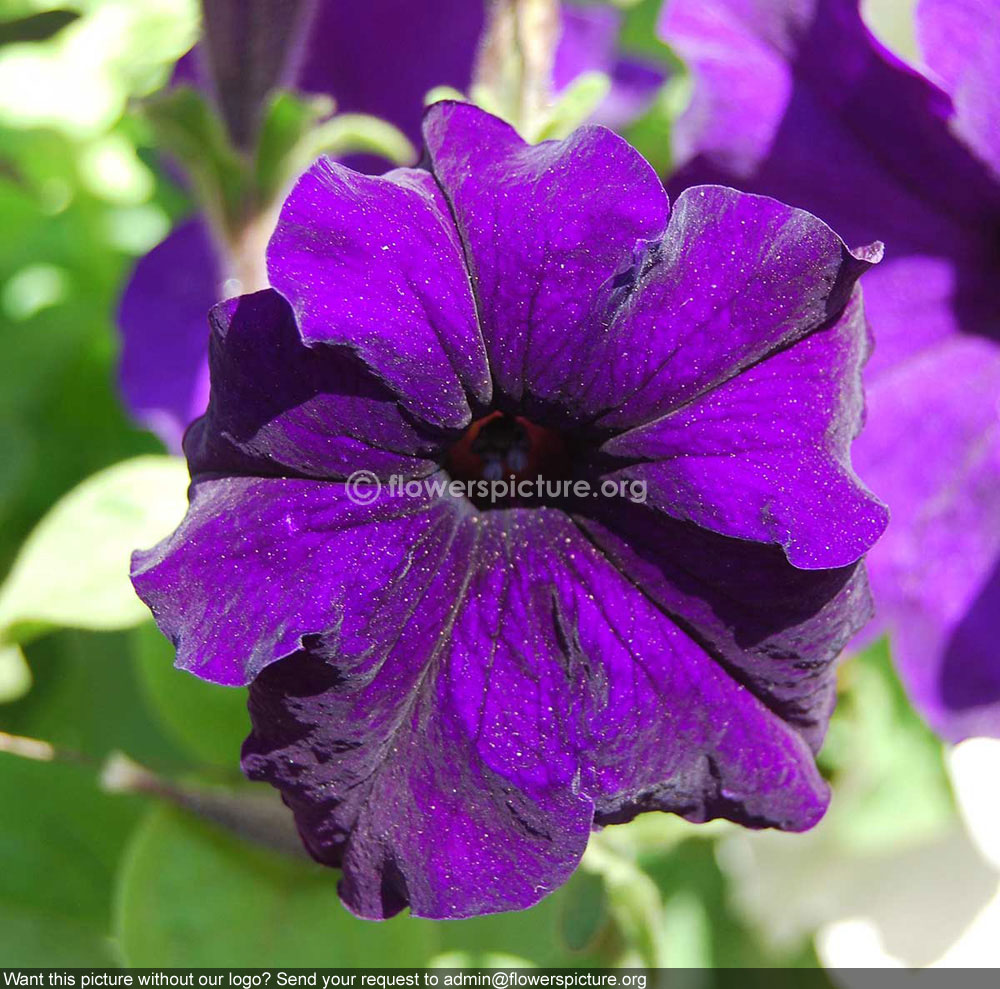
{"x": 119, "y": 775}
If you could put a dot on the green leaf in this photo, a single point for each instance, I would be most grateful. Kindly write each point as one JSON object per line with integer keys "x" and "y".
{"x": 288, "y": 119}
{"x": 539, "y": 935}
{"x": 191, "y": 895}
{"x": 236, "y": 191}
{"x": 73, "y": 568}
{"x": 699, "y": 927}
{"x": 633, "y": 898}
{"x": 15, "y": 676}
{"x": 35, "y": 27}
{"x": 61, "y": 420}
{"x": 886, "y": 764}
{"x": 651, "y": 133}
{"x": 59, "y": 844}
{"x": 585, "y": 912}
{"x": 298, "y": 129}
{"x": 86, "y": 699}
{"x": 208, "y": 720}
{"x": 60, "y": 836}
{"x": 351, "y": 133}
{"x": 639, "y": 35}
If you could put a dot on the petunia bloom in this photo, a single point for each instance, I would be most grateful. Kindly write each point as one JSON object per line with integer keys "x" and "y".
{"x": 588, "y": 42}
{"x": 797, "y": 99}
{"x": 451, "y": 694}
{"x": 379, "y": 57}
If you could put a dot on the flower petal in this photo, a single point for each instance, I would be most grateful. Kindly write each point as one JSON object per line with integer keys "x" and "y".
{"x": 389, "y": 786}
{"x": 634, "y": 88}
{"x": 772, "y": 626}
{"x": 258, "y": 564}
{"x": 279, "y": 406}
{"x": 856, "y": 137}
{"x": 765, "y": 456}
{"x": 588, "y": 40}
{"x": 553, "y": 694}
{"x": 735, "y": 278}
{"x": 374, "y": 264}
{"x": 547, "y": 228}
{"x": 163, "y": 319}
{"x": 796, "y": 99}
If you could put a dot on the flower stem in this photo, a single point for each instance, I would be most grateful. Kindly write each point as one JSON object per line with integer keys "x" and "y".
{"x": 254, "y": 815}
{"x": 515, "y": 60}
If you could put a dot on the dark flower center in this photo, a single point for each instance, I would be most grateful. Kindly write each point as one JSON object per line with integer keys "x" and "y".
{"x": 502, "y": 447}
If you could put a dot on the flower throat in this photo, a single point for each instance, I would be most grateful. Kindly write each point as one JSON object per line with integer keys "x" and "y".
{"x": 501, "y": 446}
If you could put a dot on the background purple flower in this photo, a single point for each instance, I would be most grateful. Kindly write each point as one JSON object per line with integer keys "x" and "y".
{"x": 379, "y": 57}
{"x": 796, "y": 99}
{"x": 450, "y": 696}
{"x": 589, "y": 42}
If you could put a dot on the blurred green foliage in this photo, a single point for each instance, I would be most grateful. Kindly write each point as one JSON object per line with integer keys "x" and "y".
{"x": 61, "y": 271}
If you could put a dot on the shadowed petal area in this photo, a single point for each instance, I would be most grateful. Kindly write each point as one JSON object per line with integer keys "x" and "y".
{"x": 374, "y": 264}
{"x": 163, "y": 318}
{"x": 278, "y": 406}
{"x": 765, "y": 455}
{"x": 960, "y": 42}
{"x": 970, "y": 674}
{"x": 735, "y": 278}
{"x": 950, "y": 666}
{"x": 459, "y": 770}
{"x": 542, "y": 284}
{"x": 772, "y": 626}
{"x": 259, "y": 563}
{"x": 399, "y": 797}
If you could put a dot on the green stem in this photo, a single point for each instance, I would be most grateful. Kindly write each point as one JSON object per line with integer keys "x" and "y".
{"x": 516, "y": 56}
{"x": 259, "y": 816}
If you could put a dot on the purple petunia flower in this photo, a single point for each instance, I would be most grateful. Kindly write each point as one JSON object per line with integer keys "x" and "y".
{"x": 379, "y": 57}
{"x": 450, "y": 695}
{"x": 796, "y": 99}
{"x": 588, "y": 42}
